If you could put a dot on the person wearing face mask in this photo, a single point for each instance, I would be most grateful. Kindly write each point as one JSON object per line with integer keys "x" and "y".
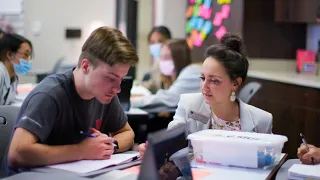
{"x": 179, "y": 76}
{"x": 15, "y": 59}
{"x": 224, "y": 69}
{"x": 156, "y": 38}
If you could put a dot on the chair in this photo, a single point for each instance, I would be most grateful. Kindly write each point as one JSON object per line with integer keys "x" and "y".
{"x": 248, "y": 91}
{"x": 8, "y": 115}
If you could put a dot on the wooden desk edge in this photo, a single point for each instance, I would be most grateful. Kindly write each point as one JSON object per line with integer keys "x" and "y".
{"x": 275, "y": 170}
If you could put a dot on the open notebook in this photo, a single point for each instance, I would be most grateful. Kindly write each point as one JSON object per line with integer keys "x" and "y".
{"x": 301, "y": 171}
{"x": 87, "y": 166}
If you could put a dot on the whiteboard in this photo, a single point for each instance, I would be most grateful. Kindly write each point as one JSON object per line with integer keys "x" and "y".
{"x": 10, "y": 6}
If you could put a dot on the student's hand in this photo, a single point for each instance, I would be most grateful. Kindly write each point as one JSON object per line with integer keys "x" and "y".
{"x": 306, "y": 156}
{"x": 99, "y": 147}
{"x": 142, "y": 149}
{"x": 95, "y": 132}
{"x": 168, "y": 171}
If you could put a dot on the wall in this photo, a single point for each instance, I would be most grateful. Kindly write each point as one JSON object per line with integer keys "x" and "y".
{"x": 46, "y": 21}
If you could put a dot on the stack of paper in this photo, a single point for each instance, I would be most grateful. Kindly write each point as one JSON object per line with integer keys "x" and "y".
{"x": 301, "y": 171}
{"x": 86, "y": 166}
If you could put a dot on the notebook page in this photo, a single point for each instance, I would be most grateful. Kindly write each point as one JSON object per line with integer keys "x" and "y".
{"x": 304, "y": 171}
{"x": 86, "y": 166}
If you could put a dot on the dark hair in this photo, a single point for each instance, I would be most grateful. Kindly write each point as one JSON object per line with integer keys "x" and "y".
{"x": 108, "y": 45}
{"x": 12, "y": 42}
{"x": 163, "y": 30}
{"x": 230, "y": 52}
{"x": 180, "y": 53}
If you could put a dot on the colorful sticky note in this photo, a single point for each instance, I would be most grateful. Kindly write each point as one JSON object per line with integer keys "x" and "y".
{"x": 205, "y": 12}
{"x": 188, "y": 27}
{"x": 196, "y": 9}
{"x": 197, "y": 41}
{"x": 194, "y": 34}
{"x": 193, "y": 22}
{"x": 203, "y": 36}
{"x": 199, "y": 2}
{"x": 207, "y": 27}
{"x": 225, "y": 11}
{"x": 217, "y": 21}
{"x": 207, "y": 3}
{"x": 220, "y": 32}
{"x": 200, "y": 23}
{"x": 189, "y": 11}
{"x": 189, "y": 42}
{"x": 223, "y": 2}
{"x": 192, "y": 1}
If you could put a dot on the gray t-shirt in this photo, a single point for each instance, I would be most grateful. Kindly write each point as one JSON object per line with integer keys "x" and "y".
{"x": 56, "y": 114}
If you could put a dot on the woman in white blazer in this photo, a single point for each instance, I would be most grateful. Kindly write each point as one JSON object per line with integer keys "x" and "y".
{"x": 223, "y": 71}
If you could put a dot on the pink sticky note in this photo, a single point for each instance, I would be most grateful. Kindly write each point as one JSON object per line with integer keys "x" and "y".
{"x": 197, "y": 40}
{"x": 192, "y": 1}
{"x": 205, "y": 12}
{"x": 217, "y": 21}
{"x": 198, "y": 174}
{"x": 225, "y": 11}
{"x": 220, "y": 32}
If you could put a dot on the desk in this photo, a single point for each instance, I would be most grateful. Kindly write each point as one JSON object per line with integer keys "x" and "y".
{"x": 283, "y": 171}
{"x": 46, "y": 176}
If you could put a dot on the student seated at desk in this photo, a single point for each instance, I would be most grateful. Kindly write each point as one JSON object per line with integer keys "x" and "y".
{"x": 179, "y": 75}
{"x": 224, "y": 69}
{"x": 306, "y": 155}
{"x": 51, "y": 118}
{"x": 156, "y": 38}
{"x": 15, "y": 59}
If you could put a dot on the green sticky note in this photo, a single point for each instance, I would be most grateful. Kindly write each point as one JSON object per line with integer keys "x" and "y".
{"x": 188, "y": 27}
{"x": 196, "y": 9}
{"x": 199, "y": 2}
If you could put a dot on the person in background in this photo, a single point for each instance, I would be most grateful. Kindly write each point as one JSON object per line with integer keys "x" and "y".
{"x": 51, "y": 120}
{"x": 224, "y": 69}
{"x": 1, "y": 33}
{"x": 156, "y": 38}
{"x": 180, "y": 76}
{"x": 15, "y": 59}
{"x": 309, "y": 155}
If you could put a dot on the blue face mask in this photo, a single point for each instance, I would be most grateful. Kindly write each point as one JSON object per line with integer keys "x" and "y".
{"x": 155, "y": 50}
{"x": 23, "y": 68}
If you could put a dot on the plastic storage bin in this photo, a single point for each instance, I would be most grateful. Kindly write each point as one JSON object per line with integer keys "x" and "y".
{"x": 232, "y": 148}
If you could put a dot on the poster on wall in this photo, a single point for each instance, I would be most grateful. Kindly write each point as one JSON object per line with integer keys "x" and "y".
{"x": 208, "y": 20}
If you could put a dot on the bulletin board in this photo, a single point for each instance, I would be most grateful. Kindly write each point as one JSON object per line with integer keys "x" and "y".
{"x": 208, "y": 20}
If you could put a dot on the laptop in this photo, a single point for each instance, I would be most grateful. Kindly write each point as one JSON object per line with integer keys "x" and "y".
{"x": 124, "y": 95}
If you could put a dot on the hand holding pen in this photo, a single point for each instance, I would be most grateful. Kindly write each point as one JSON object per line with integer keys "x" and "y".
{"x": 306, "y": 151}
{"x": 96, "y": 147}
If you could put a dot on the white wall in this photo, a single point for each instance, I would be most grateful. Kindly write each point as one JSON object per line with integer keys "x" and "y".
{"x": 46, "y": 21}
{"x": 171, "y": 13}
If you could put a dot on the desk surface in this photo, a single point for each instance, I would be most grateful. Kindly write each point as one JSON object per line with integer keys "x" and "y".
{"x": 46, "y": 176}
{"x": 283, "y": 171}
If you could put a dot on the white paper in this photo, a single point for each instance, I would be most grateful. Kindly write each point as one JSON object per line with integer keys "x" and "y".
{"x": 302, "y": 171}
{"x": 86, "y": 166}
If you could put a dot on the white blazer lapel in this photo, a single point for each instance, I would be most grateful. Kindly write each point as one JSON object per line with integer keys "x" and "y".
{"x": 201, "y": 113}
{"x": 246, "y": 121}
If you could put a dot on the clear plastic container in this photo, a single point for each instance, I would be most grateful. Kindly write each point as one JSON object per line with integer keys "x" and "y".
{"x": 231, "y": 148}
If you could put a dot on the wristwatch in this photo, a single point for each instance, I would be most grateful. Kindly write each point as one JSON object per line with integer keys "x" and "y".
{"x": 116, "y": 146}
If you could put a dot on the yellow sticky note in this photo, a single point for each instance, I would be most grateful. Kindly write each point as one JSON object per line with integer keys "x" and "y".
{"x": 223, "y": 2}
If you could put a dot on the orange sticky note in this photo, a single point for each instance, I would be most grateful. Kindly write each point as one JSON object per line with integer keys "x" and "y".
{"x": 189, "y": 41}
{"x": 198, "y": 174}
{"x": 189, "y": 11}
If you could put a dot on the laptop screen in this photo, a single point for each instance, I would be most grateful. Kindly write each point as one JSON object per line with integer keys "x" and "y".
{"x": 167, "y": 155}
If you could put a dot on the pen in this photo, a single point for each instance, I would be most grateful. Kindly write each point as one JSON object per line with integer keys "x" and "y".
{"x": 90, "y": 135}
{"x": 304, "y": 141}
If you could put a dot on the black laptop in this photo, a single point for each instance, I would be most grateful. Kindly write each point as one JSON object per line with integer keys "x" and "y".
{"x": 124, "y": 95}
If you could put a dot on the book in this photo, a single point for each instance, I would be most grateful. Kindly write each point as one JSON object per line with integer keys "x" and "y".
{"x": 302, "y": 171}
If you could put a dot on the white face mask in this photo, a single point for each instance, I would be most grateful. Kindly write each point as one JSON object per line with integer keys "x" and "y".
{"x": 166, "y": 67}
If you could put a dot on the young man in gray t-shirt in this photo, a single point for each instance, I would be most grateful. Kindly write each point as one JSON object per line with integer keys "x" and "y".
{"x": 48, "y": 126}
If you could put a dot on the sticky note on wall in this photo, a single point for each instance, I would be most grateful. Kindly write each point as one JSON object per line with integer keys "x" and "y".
{"x": 207, "y": 27}
{"x": 196, "y": 9}
{"x": 220, "y": 32}
{"x": 197, "y": 41}
{"x": 225, "y": 11}
{"x": 188, "y": 26}
{"x": 189, "y": 11}
{"x": 205, "y": 12}
{"x": 200, "y": 23}
{"x": 192, "y": 1}
{"x": 217, "y": 21}
{"x": 193, "y": 22}
{"x": 223, "y": 2}
{"x": 207, "y": 3}
{"x": 199, "y": 2}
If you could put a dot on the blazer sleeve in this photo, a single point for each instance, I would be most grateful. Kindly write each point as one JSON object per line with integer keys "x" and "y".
{"x": 269, "y": 126}
{"x": 180, "y": 116}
